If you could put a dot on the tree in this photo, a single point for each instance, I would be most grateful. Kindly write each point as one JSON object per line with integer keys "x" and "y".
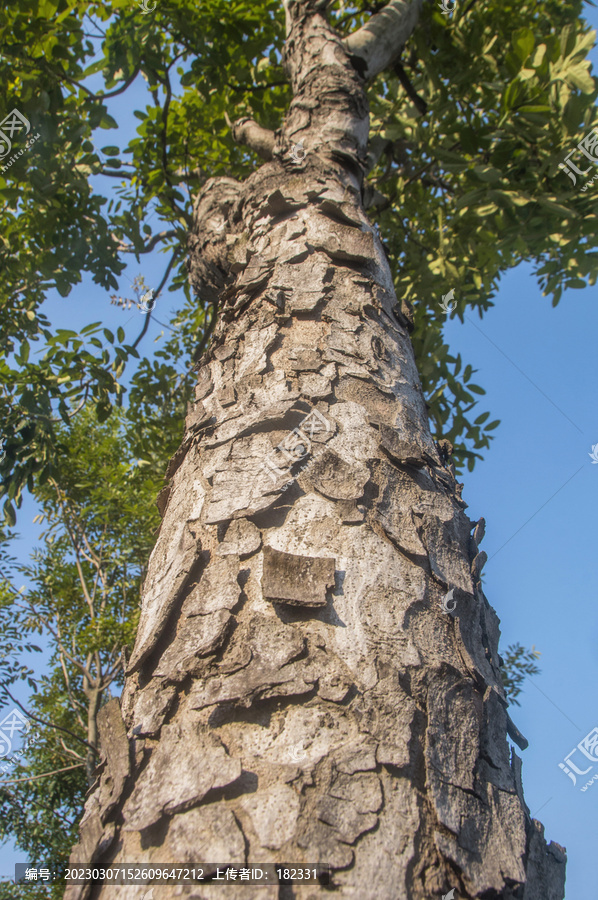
{"x": 294, "y": 654}
{"x": 296, "y": 689}
{"x": 82, "y": 598}
{"x": 86, "y": 581}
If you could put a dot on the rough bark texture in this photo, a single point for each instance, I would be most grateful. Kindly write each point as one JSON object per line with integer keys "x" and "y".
{"x": 297, "y": 692}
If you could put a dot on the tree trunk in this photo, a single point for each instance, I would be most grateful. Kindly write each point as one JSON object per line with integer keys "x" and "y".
{"x": 298, "y": 692}
{"x": 93, "y": 696}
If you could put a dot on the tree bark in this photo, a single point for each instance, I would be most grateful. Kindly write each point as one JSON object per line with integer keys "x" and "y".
{"x": 93, "y": 696}
{"x": 297, "y": 691}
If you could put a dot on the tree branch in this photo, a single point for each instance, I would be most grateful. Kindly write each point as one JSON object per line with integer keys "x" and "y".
{"x": 160, "y": 286}
{"x": 101, "y": 97}
{"x": 50, "y": 810}
{"x": 45, "y": 775}
{"x": 199, "y": 351}
{"x": 378, "y": 43}
{"x": 74, "y": 83}
{"x": 68, "y": 751}
{"x": 76, "y": 547}
{"x": 56, "y": 636}
{"x": 240, "y": 88}
{"x": 147, "y": 248}
{"x": 376, "y": 148}
{"x": 419, "y": 102}
{"x": 76, "y": 705}
{"x": 167, "y": 87}
{"x": 246, "y": 131}
{"x": 41, "y": 721}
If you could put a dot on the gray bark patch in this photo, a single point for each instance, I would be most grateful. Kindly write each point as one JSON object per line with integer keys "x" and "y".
{"x": 185, "y": 765}
{"x": 296, "y": 580}
{"x": 335, "y": 478}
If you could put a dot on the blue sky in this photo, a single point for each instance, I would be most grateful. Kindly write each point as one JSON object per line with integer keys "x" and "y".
{"x": 537, "y": 490}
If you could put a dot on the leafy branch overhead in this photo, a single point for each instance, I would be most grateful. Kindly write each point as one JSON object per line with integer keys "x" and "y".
{"x": 467, "y": 130}
{"x": 518, "y": 662}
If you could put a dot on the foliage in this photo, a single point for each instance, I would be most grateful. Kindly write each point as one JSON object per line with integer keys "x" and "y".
{"x": 42, "y": 816}
{"x": 97, "y": 506}
{"x": 518, "y": 662}
{"x": 37, "y": 396}
{"x": 82, "y": 597}
{"x": 473, "y": 183}
{"x": 13, "y": 644}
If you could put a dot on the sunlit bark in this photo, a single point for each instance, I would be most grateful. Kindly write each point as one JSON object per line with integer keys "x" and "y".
{"x": 297, "y": 690}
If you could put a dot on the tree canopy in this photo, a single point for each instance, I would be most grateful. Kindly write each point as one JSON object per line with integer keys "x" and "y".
{"x": 78, "y": 597}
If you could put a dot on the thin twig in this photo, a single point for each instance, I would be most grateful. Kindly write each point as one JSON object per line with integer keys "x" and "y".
{"x": 207, "y": 333}
{"x": 160, "y": 286}
{"x": 147, "y": 248}
{"x": 96, "y": 97}
{"x": 419, "y": 102}
{"x": 256, "y": 87}
{"x": 41, "y": 721}
{"x": 45, "y": 775}
{"x": 68, "y": 751}
{"x": 50, "y": 810}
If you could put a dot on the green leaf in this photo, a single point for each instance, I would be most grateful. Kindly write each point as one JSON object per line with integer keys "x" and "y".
{"x": 108, "y": 122}
{"x": 523, "y": 43}
{"x": 94, "y": 68}
{"x": 10, "y": 515}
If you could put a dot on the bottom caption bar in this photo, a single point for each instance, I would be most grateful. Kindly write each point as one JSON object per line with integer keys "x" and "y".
{"x": 194, "y": 873}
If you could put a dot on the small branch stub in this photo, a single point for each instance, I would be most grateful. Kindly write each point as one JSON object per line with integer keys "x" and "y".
{"x": 246, "y": 131}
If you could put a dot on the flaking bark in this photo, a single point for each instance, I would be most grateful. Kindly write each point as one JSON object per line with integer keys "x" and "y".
{"x": 297, "y": 691}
